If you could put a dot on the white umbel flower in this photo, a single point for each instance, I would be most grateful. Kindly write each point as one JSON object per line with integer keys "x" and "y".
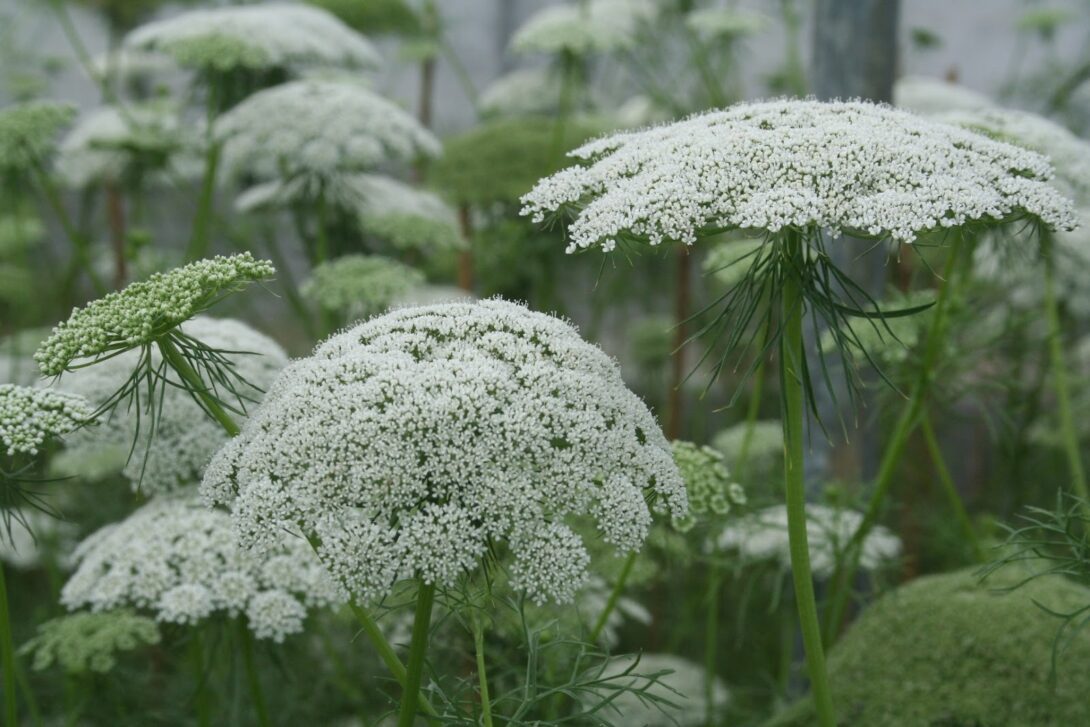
{"x": 935, "y": 96}
{"x": 409, "y": 444}
{"x": 522, "y": 92}
{"x": 185, "y": 438}
{"x": 29, "y": 417}
{"x": 180, "y": 561}
{"x": 860, "y": 168}
{"x": 726, "y": 23}
{"x": 763, "y": 536}
{"x": 257, "y": 37}
{"x": 319, "y": 130}
{"x": 582, "y": 28}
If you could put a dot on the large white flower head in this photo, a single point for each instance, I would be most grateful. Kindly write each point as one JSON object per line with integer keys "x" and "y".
{"x": 319, "y": 129}
{"x": 111, "y": 144}
{"x": 414, "y": 443}
{"x": 935, "y": 96}
{"x": 28, "y": 133}
{"x": 171, "y": 454}
{"x": 144, "y": 311}
{"x": 358, "y": 286}
{"x": 29, "y": 417}
{"x": 854, "y": 167}
{"x": 762, "y": 535}
{"x": 181, "y": 561}
{"x": 1069, "y": 154}
{"x": 583, "y": 28}
{"x": 257, "y": 37}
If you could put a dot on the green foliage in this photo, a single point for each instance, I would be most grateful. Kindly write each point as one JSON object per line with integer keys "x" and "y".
{"x": 83, "y": 642}
{"x": 947, "y": 650}
{"x": 374, "y": 17}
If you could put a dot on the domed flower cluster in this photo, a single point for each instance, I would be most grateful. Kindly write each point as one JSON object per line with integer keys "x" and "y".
{"x": 258, "y": 37}
{"x": 582, "y": 28}
{"x": 934, "y": 96}
{"x": 708, "y": 483}
{"x": 184, "y": 439}
{"x": 82, "y": 642}
{"x": 29, "y": 417}
{"x": 319, "y": 129}
{"x": 181, "y": 561}
{"x": 418, "y": 442}
{"x": 110, "y": 144}
{"x": 28, "y": 132}
{"x": 763, "y": 536}
{"x": 859, "y": 168}
{"x": 359, "y": 286}
{"x": 726, "y": 23}
{"x": 144, "y": 311}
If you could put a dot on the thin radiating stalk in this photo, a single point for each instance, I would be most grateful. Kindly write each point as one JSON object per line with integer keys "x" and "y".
{"x": 7, "y": 654}
{"x": 418, "y": 649}
{"x": 482, "y": 672}
{"x": 1060, "y": 378}
{"x": 946, "y": 481}
{"x": 614, "y": 597}
{"x": 754, "y": 408}
{"x": 252, "y": 677}
{"x": 682, "y": 294}
{"x": 792, "y": 355}
{"x": 847, "y": 566}
{"x": 198, "y": 387}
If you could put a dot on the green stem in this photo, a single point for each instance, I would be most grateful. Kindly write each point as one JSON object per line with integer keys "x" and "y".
{"x": 81, "y": 247}
{"x": 946, "y": 481}
{"x": 252, "y": 676}
{"x": 482, "y": 673}
{"x": 711, "y": 636}
{"x": 7, "y": 654}
{"x": 201, "y": 238}
{"x": 196, "y": 386}
{"x": 792, "y": 360}
{"x": 418, "y": 648}
{"x": 614, "y": 597}
{"x": 844, "y": 574}
{"x": 1060, "y": 377}
{"x": 385, "y": 651}
{"x": 204, "y": 717}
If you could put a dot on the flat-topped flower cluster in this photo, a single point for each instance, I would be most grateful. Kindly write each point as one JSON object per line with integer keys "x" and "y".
{"x": 143, "y": 311}
{"x": 856, "y": 167}
{"x": 415, "y": 443}
{"x": 181, "y": 561}
{"x": 29, "y": 417}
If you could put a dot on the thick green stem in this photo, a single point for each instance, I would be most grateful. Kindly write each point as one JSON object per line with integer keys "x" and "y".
{"x": 711, "y": 638}
{"x": 7, "y": 653}
{"x": 846, "y": 568}
{"x": 385, "y": 651}
{"x": 482, "y": 672}
{"x": 614, "y": 597}
{"x": 193, "y": 381}
{"x": 946, "y": 481}
{"x": 792, "y": 360}
{"x": 204, "y": 716}
{"x": 418, "y": 649}
{"x": 1058, "y": 363}
{"x": 252, "y": 677}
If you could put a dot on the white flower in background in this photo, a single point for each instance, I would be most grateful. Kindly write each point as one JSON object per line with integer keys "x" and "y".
{"x": 319, "y": 130}
{"x": 256, "y": 37}
{"x": 28, "y": 133}
{"x": 185, "y": 437}
{"x": 359, "y": 286}
{"x": 30, "y": 537}
{"x": 859, "y": 168}
{"x": 935, "y": 96}
{"x": 762, "y": 535}
{"x": 131, "y": 65}
{"x": 592, "y": 601}
{"x": 765, "y": 444}
{"x": 180, "y": 561}
{"x": 111, "y": 144}
{"x": 726, "y": 23}
{"x": 432, "y": 295}
{"x": 640, "y": 110}
{"x": 522, "y": 92}
{"x": 683, "y": 687}
{"x": 585, "y": 27}
{"x": 411, "y": 443}
{"x": 29, "y": 417}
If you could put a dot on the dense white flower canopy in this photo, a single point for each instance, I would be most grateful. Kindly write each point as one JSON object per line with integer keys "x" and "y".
{"x": 181, "y": 561}
{"x": 763, "y": 535}
{"x": 855, "y": 167}
{"x": 184, "y": 439}
{"x": 319, "y": 129}
{"x": 29, "y": 417}
{"x": 581, "y": 28}
{"x": 934, "y": 96}
{"x": 411, "y": 443}
{"x": 256, "y": 37}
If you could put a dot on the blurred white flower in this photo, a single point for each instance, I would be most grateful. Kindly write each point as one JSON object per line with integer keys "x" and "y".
{"x": 582, "y": 28}
{"x": 935, "y": 96}
{"x": 522, "y": 92}
{"x": 681, "y": 692}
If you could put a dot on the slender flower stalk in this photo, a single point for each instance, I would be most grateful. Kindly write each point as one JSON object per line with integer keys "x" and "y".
{"x": 482, "y": 671}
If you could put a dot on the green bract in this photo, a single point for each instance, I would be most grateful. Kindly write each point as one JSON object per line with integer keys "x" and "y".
{"x": 145, "y": 311}
{"x": 358, "y": 286}
{"x": 28, "y": 417}
{"x": 83, "y": 642}
{"x": 28, "y": 132}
